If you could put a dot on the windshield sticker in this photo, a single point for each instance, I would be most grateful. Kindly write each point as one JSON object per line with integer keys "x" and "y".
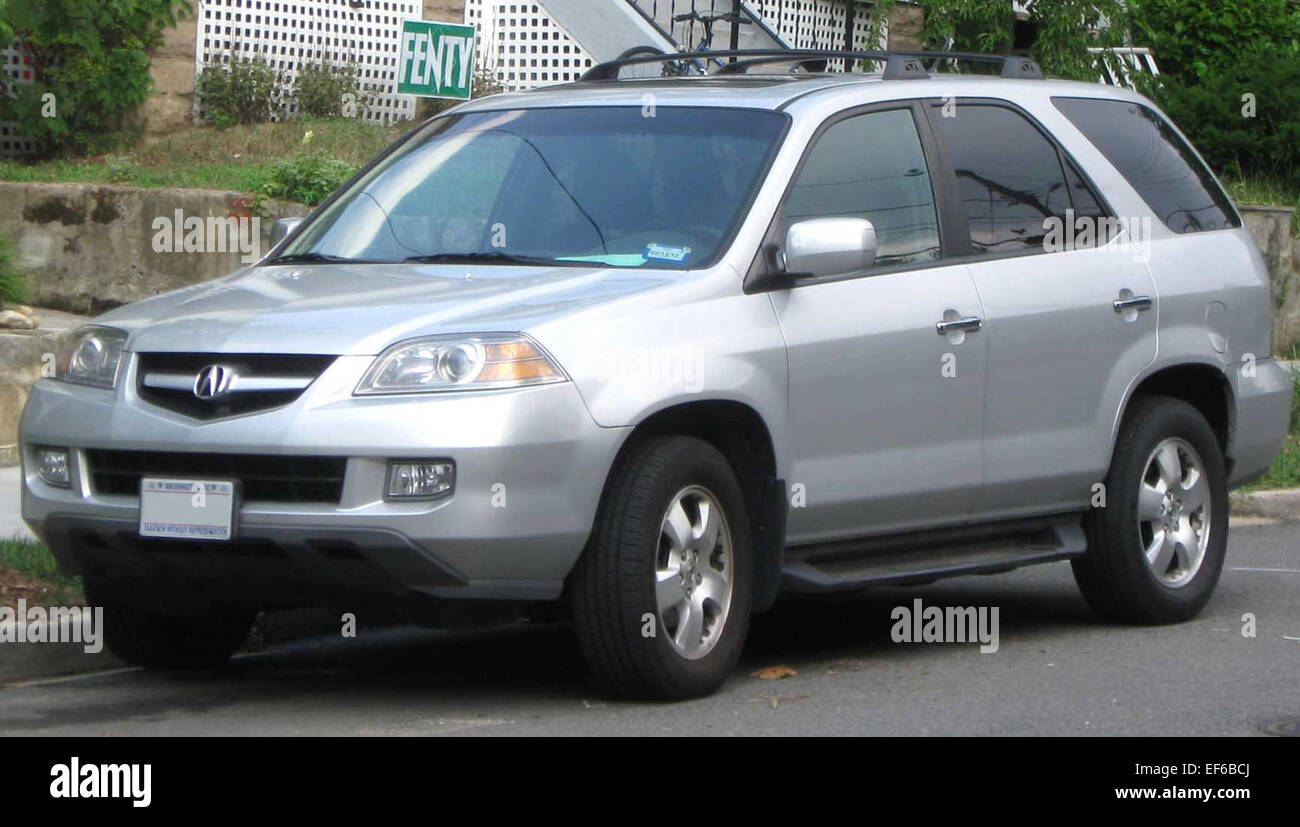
{"x": 665, "y": 252}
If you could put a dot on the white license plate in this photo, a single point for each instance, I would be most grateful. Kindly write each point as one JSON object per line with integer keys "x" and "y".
{"x": 187, "y": 509}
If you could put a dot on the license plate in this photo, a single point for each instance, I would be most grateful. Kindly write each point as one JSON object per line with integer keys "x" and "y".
{"x": 187, "y": 509}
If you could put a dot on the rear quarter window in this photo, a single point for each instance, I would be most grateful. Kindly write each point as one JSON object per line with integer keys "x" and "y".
{"x": 1155, "y": 160}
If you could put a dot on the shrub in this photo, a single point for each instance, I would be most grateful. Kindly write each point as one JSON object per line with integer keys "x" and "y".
{"x": 1065, "y": 30}
{"x": 240, "y": 91}
{"x": 323, "y": 91}
{"x": 1196, "y": 38}
{"x": 1211, "y": 110}
{"x": 1211, "y": 54}
{"x": 308, "y": 179}
{"x": 14, "y": 285}
{"x": 92, "y": 68}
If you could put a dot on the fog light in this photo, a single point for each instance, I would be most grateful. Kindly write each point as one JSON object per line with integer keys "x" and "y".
{"x": 52, "y": 467}
{"x": 420, "y": 480}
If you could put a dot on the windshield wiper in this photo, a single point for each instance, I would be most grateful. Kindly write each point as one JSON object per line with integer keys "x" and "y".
{"x": 477, "y": 258}
{"x": 311, "y": 258}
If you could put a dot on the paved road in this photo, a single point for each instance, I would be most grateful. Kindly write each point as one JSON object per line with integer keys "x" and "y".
{"x": 11, "y": 521}
{"x": 1058, "y": 671}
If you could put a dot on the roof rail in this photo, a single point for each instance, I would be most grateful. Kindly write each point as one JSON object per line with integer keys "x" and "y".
{"x": 898, "y": 65}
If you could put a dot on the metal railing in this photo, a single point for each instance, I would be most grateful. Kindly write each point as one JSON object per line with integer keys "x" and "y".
{"x": 1117, "y": 65}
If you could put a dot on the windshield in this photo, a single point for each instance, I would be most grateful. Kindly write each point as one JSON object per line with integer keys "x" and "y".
{"x": 617, "y": 186}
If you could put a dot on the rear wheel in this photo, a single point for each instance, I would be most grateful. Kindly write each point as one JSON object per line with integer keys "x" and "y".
{"x": 1156, "y": 549}
{"x": 662, "y": 594}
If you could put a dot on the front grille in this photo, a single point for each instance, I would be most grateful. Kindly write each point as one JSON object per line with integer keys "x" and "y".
{"x": 276, "y": 479}
{"x": 297, "y": 369}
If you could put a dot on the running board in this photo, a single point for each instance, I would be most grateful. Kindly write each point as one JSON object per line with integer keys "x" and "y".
{"x": 912, "y": 559}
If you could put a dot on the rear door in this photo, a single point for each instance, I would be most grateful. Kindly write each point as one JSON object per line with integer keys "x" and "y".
{"x": 1070, "y": 315}
{"x": 885, "y": 410}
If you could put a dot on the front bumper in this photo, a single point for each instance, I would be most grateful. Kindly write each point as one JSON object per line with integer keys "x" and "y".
{"x": 530, "y": 466}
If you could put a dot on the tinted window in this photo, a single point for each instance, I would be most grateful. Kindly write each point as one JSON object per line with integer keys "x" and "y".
{"x": 1155, "y": 160}
{"x": 1085, "y": 201}
{"x": 872, "y": 166}
{"x": 1008, "y": 174}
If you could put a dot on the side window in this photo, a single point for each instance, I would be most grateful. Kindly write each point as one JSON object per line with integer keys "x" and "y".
{"x": 1085, "y": 201}
{"x": 1155, "y": 160}
{"x": 1009, "y": 177}
{"x": 872, "y": 166}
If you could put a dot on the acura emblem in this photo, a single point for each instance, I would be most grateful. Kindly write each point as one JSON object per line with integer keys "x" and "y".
{"x": 213, "y": 382}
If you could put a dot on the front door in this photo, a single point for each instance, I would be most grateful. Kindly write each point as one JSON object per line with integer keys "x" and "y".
{"x": 886, "y": 410}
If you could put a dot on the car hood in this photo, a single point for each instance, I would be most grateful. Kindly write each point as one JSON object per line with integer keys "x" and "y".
{"x": 359, "y": 309}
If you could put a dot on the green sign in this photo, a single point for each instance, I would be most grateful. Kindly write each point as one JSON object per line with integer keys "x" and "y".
{"x": 437, "y": 60}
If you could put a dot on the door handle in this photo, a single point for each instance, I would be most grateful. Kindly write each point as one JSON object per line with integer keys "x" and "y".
{"x": 1134, "y": 303}
{"x": 969, "y": 323}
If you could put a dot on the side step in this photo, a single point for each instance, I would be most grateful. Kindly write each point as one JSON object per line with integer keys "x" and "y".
{"x": 921, "y": 558}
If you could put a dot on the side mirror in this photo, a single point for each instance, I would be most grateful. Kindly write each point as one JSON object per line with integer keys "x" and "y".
{"x": 282, "y": 228}
{"x": 829, "y": 247}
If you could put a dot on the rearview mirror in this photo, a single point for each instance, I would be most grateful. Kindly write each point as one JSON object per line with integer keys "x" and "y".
{"x": 282, "y": 228}
{"x": 829, "y": 247}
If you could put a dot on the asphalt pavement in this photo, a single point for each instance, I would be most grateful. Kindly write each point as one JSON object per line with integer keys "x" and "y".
{"x": 1058, "y": 671}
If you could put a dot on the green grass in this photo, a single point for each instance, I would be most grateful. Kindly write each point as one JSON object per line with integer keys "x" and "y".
{"x": 30, "y": 558}
{"x": 241, "y": 158}
{"x": 1266, "y": 191}
{"x": 15, "y": 284}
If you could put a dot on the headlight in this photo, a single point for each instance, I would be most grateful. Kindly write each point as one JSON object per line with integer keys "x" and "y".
{"x": 460, "y": 363}
{"x": 90, "y": 356}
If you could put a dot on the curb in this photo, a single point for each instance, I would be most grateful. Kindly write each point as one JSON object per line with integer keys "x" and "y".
{"x": 22, "y": 660}
{"x": 1278, "y": 504}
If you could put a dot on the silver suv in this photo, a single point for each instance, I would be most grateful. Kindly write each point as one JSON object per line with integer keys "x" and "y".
{"x": 651, "y": 351}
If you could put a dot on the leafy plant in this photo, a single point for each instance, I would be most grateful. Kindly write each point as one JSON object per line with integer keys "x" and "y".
{"x": 240, "y": 91}
{"x": 324, "y": 91}
{"x": 1196, "y": 38}
{"x": 1230, "y": 77}
{"x": 308, "y": 178}
{"x": 91, "y": 64}
{"x": 15, "y": 288}
{"x": 1066, "y": 29}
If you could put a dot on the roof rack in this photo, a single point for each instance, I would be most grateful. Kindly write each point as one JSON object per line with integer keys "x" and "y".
{"x": 898, "y": 65}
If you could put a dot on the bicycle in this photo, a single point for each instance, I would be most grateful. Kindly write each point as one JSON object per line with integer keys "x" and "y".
{"x": 676, "y": 68}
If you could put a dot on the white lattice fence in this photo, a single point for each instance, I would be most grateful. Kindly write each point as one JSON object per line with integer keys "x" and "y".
{"x": 523, "y": 46}
{"x": 17, "y": 71}
{"x": 290, "y": 33}
{"x": 816, "y": 24}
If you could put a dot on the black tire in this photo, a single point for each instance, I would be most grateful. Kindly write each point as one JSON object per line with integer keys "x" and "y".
{"x": 1114, "y": 575}
{"x": 613, "y": 585}
{"x": 162, "y": 641}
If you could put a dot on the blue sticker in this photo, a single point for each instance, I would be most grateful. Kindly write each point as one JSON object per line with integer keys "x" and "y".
{"x": 665, "y": 252}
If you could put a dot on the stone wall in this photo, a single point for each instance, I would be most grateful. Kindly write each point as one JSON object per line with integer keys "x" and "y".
{"x": 905, "y": 28}
{"x": 170, "y": 105}
{"x": 24, "y": 354}
{"x": 91, "y": 247}
{"x": 1271, "y": 227}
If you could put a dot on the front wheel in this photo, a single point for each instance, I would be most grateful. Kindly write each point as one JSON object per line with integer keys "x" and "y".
{"x": 1156, "y": 549}
{"x": 165, "y": 641}
{"x": 662, "y": 593}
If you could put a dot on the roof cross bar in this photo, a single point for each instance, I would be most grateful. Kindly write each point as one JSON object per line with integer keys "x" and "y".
{"x": 898, "y": 65}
